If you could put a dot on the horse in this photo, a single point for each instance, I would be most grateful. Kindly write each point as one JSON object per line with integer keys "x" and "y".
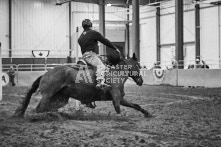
{"x": 79, "y": 82}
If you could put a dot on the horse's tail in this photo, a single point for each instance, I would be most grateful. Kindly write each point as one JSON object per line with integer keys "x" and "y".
{"x": 21, "y": 109}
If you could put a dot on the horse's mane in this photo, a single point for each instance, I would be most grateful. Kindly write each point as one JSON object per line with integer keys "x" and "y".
{"x": 114, "y": 59}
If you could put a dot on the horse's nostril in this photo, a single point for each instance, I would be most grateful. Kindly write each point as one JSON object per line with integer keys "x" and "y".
{"x": 140, "y": 81}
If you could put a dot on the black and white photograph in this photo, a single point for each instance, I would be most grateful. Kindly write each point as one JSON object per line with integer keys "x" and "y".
{"x": 110, "y": 73}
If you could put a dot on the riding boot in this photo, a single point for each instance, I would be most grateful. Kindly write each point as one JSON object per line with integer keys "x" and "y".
{"x": 102, "y": 85}
{"x": 100, "y": 73}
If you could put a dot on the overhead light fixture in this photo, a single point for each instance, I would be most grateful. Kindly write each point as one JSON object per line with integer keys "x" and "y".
{"x": 213, "y": 2}
{"x": 109, "y": 4}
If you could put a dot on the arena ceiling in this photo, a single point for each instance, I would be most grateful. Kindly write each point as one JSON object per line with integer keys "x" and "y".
{"x": 119, "y": 3}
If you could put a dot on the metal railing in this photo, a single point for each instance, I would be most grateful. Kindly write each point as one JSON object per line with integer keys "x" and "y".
{"x": 213, "y": 64}
{"x": 32, "y": 67}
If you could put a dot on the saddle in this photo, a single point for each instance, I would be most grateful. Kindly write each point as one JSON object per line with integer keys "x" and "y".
{"x": 81, "y": 64}
{"x": 110, "y": 60}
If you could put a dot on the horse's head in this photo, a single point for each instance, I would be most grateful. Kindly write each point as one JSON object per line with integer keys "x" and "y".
{"x": 134, "y": 69}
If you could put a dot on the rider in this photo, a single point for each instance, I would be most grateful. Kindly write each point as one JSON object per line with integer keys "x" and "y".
{"x": 88, "y": 42}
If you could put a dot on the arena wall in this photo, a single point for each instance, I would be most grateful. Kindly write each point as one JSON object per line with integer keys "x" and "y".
{"x": 182, "y": 77}
{"x": 200, "y": 77}
{"x": 17, "y": 61}
{"x": 175, "y": 77}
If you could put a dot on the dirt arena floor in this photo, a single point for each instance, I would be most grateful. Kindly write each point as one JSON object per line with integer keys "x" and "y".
{"x": 184, "y": 117}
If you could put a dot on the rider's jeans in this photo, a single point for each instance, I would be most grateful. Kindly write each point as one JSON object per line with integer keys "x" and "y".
{"x": 93, "y": 59}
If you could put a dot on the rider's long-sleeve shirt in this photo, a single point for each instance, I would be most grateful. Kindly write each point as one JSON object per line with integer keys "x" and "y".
{"x": 89, "y": 41}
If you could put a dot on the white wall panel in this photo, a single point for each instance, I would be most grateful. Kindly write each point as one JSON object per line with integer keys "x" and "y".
{"x": 39, "y": 25}
{"x": 167, "y": 29}
{"x": 148, "y": 42}
{"x": 189, "y": 26}
{"x": 209, "y": 35}
{"x": 189, "y": 55}
{"x": 168, "y": 22}
{"x": 147, "y": 11}
{"x": 4, "y": 27}
{"x": 115, "y": 13}
{"x": 167, "y": 54}
{"x": 82, "y": 11}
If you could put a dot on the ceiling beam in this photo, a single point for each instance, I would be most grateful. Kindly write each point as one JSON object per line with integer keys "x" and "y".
{"x": 122, "y": 3}
{"x": 216, "y": 2}
{"x": 114, "y": 22}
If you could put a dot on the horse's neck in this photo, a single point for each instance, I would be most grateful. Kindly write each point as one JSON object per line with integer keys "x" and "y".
{"x": 121, "y": 69}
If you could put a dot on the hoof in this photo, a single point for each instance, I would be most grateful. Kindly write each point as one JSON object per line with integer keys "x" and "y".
{"x": 18, "y": 115}
{"x": 90, "y": 105}
{"x": 119, "y": 115}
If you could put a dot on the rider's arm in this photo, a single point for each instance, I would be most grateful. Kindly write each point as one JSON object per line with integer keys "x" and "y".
{"x": 103, "y": 40}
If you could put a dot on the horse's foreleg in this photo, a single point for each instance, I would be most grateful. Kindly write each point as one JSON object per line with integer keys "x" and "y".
{"x": 122, "y": 91}
{"x": 124, "y": 102}
{"x": 116, "y": 98}
{"x": 77, "y": 104}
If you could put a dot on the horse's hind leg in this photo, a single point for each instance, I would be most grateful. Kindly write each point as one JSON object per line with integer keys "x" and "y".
{"x": 49, "y": 104}
{"x": 124, "y": 102}
{"x": 58, "y": 101}
{"x": 44, "y": 105}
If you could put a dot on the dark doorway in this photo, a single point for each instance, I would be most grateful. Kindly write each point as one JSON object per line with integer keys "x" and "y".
{"x": 119, "y": 45}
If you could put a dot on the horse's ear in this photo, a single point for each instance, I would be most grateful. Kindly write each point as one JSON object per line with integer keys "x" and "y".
{"x": 134, "y": 57}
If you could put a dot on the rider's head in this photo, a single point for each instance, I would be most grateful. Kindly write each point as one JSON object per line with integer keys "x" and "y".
{"x": 86, "y": 23}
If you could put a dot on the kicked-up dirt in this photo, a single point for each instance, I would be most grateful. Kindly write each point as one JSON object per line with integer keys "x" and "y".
{"x": 183, "y": 117}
